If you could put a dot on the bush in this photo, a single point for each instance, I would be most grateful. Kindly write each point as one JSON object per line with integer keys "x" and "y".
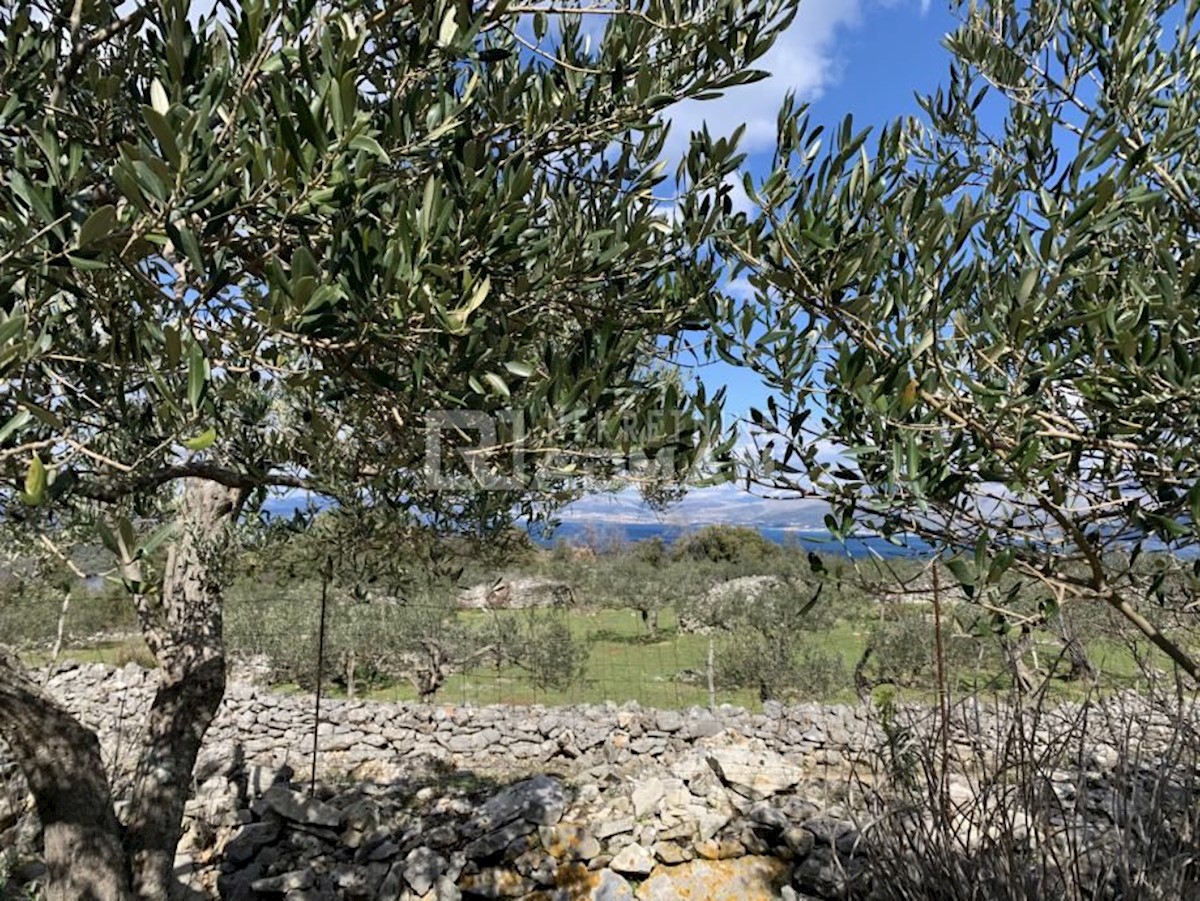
{"x": 727, "y": 545}
{"x": 30, "y": 606}
{"x": 379, "y": 636}
{"x": 763, "y": 603}
{"x": 764, "y": 661}
{"x": 823, "y": 674}
{"x": 1030, "y": 802}
{"x": 375, "y": 642}
{"x": 653, "y": 551}
{"x": 901, "y": 648}
{"x": 778, "y": 664}
{"x": 543, "y": 646}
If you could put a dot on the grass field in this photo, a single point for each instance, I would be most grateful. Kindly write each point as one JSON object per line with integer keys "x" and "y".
{"x": 667, "y": 671}
{"x": 624, "y": 664}
{"x": 272, "y": 612}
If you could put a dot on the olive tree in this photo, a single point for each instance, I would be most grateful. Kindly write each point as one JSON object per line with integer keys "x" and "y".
{"x": 262, "y": 247}
{"x": 980, "y": 327}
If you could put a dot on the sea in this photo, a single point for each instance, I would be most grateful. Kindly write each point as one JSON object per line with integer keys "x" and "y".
{"x": 602, "y": 532}
{"x": 605, "y": 532}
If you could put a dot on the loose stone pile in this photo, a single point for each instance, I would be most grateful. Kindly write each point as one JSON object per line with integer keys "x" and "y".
{"x": 734, "y": 822}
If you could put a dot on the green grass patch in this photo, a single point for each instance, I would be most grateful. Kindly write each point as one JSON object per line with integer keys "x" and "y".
{"x": 110, "y": 653}
{"x": 668, "y": 669}
{"x": 665, "y": 670}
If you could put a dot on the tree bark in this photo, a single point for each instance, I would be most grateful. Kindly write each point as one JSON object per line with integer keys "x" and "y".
{"x": 60, "y": 759}
{"x": 187, "y": 641}
{"x": 1025, "y": 679}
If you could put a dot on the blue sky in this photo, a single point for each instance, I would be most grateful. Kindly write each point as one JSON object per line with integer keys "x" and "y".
{"x": 868, "y": 58}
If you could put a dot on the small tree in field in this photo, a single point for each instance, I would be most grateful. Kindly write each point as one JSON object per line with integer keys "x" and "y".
{"x": 258, "y": 249}
{"x": 992, "y": 318}
{"x": 391, "y": 607}
{"x": 770, "y": 641}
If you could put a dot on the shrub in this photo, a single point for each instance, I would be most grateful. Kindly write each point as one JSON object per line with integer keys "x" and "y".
{"x": 652, "y": 551}
{"x": 1031, "y": 802}
{"x": 31, "y": 603}
{"x": 901, "y": 646}
{"x": 420, "y": 638}
{"x": 779, "y": 663}
{"x": 543, "y": 646}
{"x": 728, "y": 545}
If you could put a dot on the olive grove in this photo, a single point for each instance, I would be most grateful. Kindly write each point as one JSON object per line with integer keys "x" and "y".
{"x": 259, "y": 248}
{"x": 980, "y": 326}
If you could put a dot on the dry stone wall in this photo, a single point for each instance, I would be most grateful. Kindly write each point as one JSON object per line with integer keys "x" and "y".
{"x": 440, "y": 802}
{"x": 265, "y": 727}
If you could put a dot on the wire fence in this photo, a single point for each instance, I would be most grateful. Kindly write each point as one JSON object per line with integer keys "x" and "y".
{"x": 415, "y": 650}
{"x": 438, "y": 647}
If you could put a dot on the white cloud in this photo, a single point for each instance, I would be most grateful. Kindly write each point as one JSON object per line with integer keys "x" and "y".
{"x": 803, "y": 61}
{"x": 740, "y": 288}
{"x": 730, "y": 504}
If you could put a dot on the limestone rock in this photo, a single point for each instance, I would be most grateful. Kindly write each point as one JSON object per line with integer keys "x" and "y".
{"x": 710, "y": 823}
{"x": 491, "y": 843}
{"x": 300, "y": 808}
{"x": 671, "y": 853}
{"x": 669, "y": 721}
{"x": 723, "y": 849}
{"x": 496, "y": 882}
{"x": 825, "y": 874}
{"x": 393, "y": 886}
{"x": 769, "y": 817}
{"x": 540, "y": 801}
{"x": 746, "y": 879}
{"x": 831, "y": 831}
{"x": 575, "y": 882}
{"x": 756, "y": 775}
{"x": 611, "y": 827}
{"x": 633, "y": 860}
{"x": 259, "y": 778}
{"x": 569, "y": 841}
{"x": 246, "y": 843}
{"x": 517, "y": 593}
{"x": 294, "y": 880}
{"x": 422, "y": 867}
{"x": 646, "y": 796}
{"x": 798, "y": 840}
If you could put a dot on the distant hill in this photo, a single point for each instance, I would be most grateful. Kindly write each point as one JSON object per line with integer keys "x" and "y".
{"x": 725, "y": 504}
{"x": 604, "y": 532}
{"x": 624, "y": 517}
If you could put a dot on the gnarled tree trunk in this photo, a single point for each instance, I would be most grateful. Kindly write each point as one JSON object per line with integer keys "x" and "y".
{"x": 187, "y": 641}
{"x": 88, "y": 855}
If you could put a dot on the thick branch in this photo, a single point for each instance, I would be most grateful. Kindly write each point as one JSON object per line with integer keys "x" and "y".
{"x": 120, "y": 487}
{"x": 60, "y": 759}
